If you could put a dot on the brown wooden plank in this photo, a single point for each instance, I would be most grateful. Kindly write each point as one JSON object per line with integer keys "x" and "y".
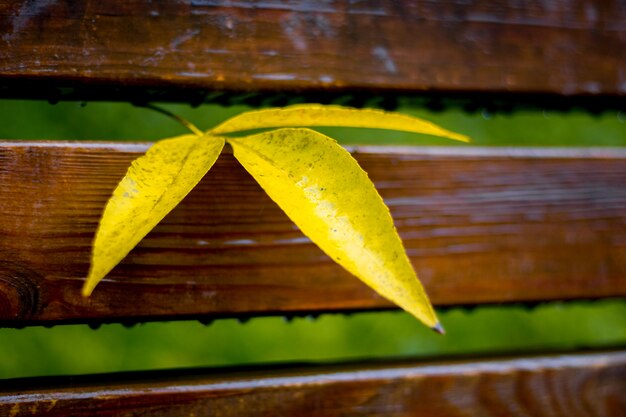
{"x": 481, "y": 46}
{"x": 480, "y": 225}
{"x": 591, "y": 384}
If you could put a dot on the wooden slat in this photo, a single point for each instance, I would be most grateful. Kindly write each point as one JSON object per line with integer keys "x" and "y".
{"x": 480, "y": 225}
{"x": 591, "y": 384}
{"x": 56, "y": 49}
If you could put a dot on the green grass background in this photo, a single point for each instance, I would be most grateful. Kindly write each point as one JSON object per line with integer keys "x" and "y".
{"x": 77, "y": 349}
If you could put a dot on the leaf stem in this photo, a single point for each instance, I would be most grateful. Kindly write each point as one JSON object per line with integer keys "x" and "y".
{"x": 176, "y": 117}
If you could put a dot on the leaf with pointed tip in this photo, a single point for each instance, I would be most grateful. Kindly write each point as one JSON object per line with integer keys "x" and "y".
{"x": 319, "y": 115}
{"x": 330, "y": 198}
{"x": 154, "y": 184}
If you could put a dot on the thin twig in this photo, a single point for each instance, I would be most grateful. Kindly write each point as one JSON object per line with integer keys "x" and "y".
{"x": 176, "y": 117}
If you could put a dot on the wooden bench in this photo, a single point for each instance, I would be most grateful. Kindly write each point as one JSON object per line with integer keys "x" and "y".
{"x": 503, "y": 225}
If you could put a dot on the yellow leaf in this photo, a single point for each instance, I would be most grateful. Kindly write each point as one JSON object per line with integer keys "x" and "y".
{"x": 325, "y": 192}
{"x": 319, "y": 115}
{"x": 154, "y": 184}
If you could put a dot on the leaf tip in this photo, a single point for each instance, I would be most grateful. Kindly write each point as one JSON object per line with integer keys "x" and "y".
{"x": 439, "y": 328}
{"x": 88, "y": 287}
{"x": 459, "y": 137}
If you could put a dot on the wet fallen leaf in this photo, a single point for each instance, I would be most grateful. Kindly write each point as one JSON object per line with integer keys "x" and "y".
{"x": 154, "y": 184}
{"x": 324, "y": 191}
{"x": 309, "y": 115}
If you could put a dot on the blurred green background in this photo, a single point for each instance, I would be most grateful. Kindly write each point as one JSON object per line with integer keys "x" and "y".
{"x": 78, "y": 349}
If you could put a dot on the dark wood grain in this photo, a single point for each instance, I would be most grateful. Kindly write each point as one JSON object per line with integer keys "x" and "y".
{"x": 591, "y": 384}
{"x": 480, "y": 225}
{"x": 60, "y": 49}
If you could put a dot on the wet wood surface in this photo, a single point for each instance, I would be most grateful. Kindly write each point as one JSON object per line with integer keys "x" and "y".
{"x": 480, "y": 226}
{"x": 586, "y": 384}
{"x": 93, "y": 48}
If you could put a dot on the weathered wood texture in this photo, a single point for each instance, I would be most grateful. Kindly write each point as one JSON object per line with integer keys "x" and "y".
{"x": 480, "y": 225}
{"x": 61, "y": 49}
{"x": 561, "y": 385}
